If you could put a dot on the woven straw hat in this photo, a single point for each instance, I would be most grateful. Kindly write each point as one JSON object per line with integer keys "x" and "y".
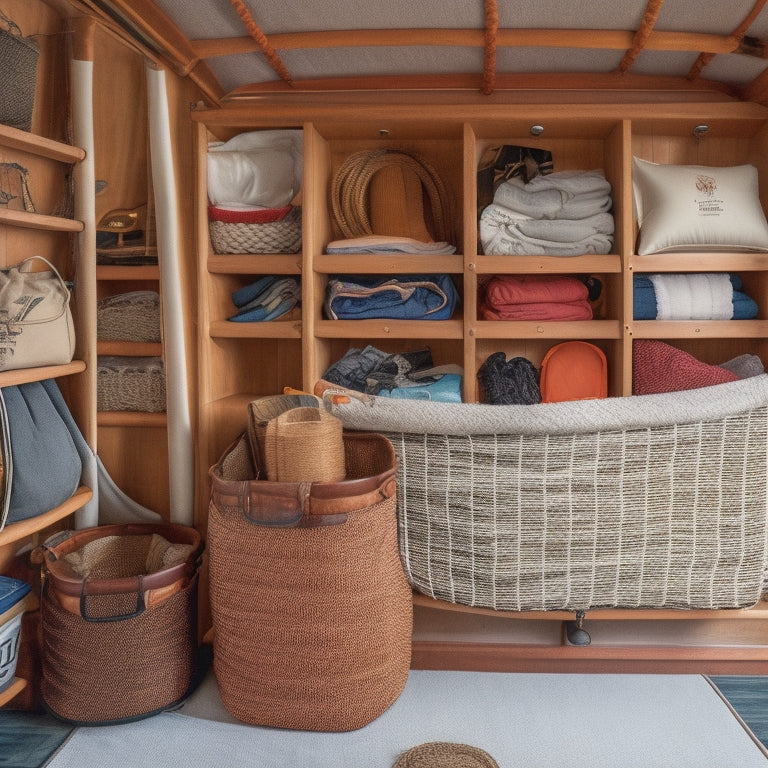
{"x": 445, "y": 754}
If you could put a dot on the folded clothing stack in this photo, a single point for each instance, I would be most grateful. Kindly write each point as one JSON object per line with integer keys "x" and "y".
{"x": 388, "y": 244}
{"x": 268, "y": 298}
{"x": 407, "y": 375}
{"x": 694, "y": 296}
{"x": 560, "y": 214}
{"x": 403, "y": 297}
{"x": 535, "y": 297}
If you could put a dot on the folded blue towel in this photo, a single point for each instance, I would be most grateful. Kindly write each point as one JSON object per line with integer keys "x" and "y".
{"x": 644, "y": 300}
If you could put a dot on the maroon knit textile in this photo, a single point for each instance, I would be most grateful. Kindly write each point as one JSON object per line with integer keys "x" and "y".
{"x": 660, "y": 367}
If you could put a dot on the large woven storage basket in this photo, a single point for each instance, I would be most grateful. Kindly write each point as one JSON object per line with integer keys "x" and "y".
{"x": 652, "y": 501}
{"x": 118, "y": 615}
{"x": 312, "y": 612}
{"x": 131, "y": 316}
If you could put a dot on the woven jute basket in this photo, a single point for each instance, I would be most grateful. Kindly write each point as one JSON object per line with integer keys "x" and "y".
{"x": 312, "y": 612}
{"x": 280, "y": 236}
{"x": 130, "y": 316}
{"x": 18, "y": 74}
{"x": 304, "y": 445}
{"x": 130, "y": 384}
{"x": 118, "y": 617}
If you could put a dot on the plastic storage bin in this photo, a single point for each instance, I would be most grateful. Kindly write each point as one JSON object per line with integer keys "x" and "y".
{"x": 12, "y": 594}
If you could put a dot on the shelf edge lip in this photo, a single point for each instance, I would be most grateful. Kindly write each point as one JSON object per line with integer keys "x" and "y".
{"x": 52, "y": 149}
{"x": 27, "y": 375}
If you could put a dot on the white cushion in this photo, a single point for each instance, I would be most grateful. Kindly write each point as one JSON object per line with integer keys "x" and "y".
{"x": 698, "y": 208}
{"x": 260, "y": 169}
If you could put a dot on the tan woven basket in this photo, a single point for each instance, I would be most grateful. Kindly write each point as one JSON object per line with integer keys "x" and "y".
{"x": 281, "y": 236}
{"x": 132, "y": 316}
{"x": 119, "y": 642}
{"x": 130, "y": 384}
{"x": 312, "y": 613}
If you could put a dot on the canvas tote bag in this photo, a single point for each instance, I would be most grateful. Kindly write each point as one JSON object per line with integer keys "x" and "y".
{"x": 36, "y": 327}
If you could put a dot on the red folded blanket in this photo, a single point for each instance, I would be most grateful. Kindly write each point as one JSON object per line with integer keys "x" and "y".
{"x": 535, "y": 297}
{"x": 572, "y": 310}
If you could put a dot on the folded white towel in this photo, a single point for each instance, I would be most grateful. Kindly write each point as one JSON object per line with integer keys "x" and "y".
{"x": 563, "y": 195}
{"x": 693, "y": 296}
{"x": 504, "y": 232}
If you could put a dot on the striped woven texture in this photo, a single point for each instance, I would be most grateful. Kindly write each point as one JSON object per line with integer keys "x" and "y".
{"x": 662, "y": 516}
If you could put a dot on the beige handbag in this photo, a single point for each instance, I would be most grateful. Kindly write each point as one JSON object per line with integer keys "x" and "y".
{"x": 36, "y": 326}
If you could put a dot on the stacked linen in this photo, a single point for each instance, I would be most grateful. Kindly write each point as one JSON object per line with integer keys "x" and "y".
{"x": 388, "y": 244}
{"x": 268, "y": 298}
{"x": 566, "y": 213}
{"x": 694, "y": 296}
{"x": 535, "y": 297}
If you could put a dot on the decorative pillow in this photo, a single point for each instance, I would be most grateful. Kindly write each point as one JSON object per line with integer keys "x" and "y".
{"x": 696, "y": 208}
{"x": 257, "y": 169}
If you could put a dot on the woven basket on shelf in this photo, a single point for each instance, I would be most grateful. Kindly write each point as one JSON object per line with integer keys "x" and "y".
{"x": 132, "y": 316}
{"x": 280, "y": 236}
{"x": 18, "y": 72}
{"x": 130, "y": 384}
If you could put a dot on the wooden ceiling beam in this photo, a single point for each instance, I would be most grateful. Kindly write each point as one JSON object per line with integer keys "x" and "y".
{"x": 607, "y": 39}
{"x": 541, "y": 81}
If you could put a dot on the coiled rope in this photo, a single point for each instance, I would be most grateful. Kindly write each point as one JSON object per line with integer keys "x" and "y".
{"x": 349, "y": 191}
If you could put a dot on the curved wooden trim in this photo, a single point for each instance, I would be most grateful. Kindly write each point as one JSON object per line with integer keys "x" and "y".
{"x": 499, "y": 657}
{"x": 759, "y": 612}
{"x": 23, "y": 528}
{"x": 538, "y": 81}
{"x": 608, "y": 39}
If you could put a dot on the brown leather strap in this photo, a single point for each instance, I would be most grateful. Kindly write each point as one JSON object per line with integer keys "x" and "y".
{"x": 65, "y": 580}
{"x": 300, "y": 504}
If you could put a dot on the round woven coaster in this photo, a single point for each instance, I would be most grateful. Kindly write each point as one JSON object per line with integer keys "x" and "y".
{"x": 445, "y": 754}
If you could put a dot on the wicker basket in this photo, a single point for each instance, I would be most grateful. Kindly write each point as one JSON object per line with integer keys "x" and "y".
{"x": 311, "y": 609}
{"x": 118, "y": 621}
{"x": 280, "y": 236}
{"x": 132, "y": 316}
{"x": 654, "y": 501}
{"x": 130, "y": 384}
{"x": 18, "y": 69}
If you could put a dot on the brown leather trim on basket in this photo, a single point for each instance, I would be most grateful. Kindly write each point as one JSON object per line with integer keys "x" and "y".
{"x": 305, "y": 505}
{"x": 72, "y": 584}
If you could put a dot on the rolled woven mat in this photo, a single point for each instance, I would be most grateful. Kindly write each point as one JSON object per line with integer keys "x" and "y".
{"x": 304, "y": 445}
{"x": 261, "y": 411}
{"x": 445, "y": 754}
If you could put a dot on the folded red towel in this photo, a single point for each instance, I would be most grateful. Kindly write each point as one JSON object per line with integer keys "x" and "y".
{"x": 502, "y": 290}
{"x": 570, "y": 310}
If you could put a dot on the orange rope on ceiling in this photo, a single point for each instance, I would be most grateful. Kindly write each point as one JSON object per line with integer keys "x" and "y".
{"x": 705, "y": 58}
{"x": 489, "y": 46}
{"x": 261, "y": 40}
{"x": 650, "y": 16}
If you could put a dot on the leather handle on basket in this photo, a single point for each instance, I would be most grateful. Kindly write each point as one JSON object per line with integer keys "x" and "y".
{"x": 140, "y": 606}
{"x": 285, "y": 511}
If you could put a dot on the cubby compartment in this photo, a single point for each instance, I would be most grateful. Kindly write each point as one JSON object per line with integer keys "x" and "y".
{"x": 437, "y": 150}
{"x": 572, "y": 144}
